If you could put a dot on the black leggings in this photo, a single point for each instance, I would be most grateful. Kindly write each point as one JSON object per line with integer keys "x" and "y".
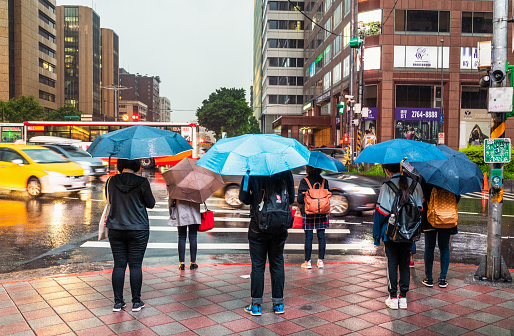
{"x": 128, "y": 247}
{"x": 182, "y": 234}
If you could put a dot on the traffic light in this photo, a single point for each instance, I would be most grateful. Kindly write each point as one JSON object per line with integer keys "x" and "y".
{"x": 340, "y": 106}
{"x": 125, "y": 117}
{"x": 346, "y": 139}
{"x": 135, "y": 117}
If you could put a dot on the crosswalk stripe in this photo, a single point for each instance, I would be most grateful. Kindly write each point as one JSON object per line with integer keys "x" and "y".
{"x": 247, "y": 220}
{"x": 225, "y": 246}
{"x": 243, "y": 212}
{"x": 241, "y": 230}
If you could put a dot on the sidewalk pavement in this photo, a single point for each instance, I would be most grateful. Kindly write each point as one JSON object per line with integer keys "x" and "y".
{"x": 342, "y": 299}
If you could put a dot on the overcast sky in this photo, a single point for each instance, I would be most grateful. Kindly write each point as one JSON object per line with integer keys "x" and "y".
{"x": 195, "y": 46}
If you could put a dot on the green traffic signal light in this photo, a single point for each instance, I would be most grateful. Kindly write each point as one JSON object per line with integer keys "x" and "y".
{"x": 340, "y": 106}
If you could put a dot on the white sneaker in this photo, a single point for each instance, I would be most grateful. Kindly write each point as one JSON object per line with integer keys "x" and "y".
{"x": 392, "y": 303}
{"x": 320, "y": 263}
{"x": 307, "y": 264}
{"x": 402, "y": 302}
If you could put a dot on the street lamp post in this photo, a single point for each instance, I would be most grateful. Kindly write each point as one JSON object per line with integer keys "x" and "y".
{"x": 116, "y": 89}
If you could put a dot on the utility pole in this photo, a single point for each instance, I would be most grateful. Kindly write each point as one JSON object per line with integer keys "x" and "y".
{"x": 352, "y": 82}
{"x": 493, "y": 267}
{"x": 116, "y": 89}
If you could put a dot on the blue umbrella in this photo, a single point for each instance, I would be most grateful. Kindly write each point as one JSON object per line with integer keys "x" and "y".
{"x": 255, "y": 154}
{"x": 394, "y": 151}
{"x": 138, "y": 142}
{"x": 323, "y": 161}
{"x": 456, "y": 174}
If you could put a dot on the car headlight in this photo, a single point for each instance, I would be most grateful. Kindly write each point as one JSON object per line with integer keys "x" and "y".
{"x": 105, "y": 163}
{"x": 361, "y": 190}
{"x": 84, "y": 163}
{"x": 54, "y": 173}
{"x": 87, "y": 171}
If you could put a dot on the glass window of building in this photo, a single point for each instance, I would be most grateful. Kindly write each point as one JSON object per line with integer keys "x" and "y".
{"x": 428, "y": 21}
{"x": 346, "y": 35}
{"x": 328, "y": 27}
{"x": 338, "y": 15}
{"x": 347, "y": 7}
{"x": 273, "y": 80}
{"x": 337, "y": 45}
{"x": 336, "y": 73}
{"x": 477, "y": 22}
{"x": 282, "y": 80}
{"x": 272, "y": 99}
{"x": 346, "y": 67}
{"x": 328, "y": 3}
{"x": 319, "y": 62}
{"x": 327, "y": 81}
{"x": 474, "y": 97}
{"x": 327, "y": 54}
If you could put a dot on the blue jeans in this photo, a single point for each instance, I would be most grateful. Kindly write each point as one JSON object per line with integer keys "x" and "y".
{"x": 272, "y": 246}
{"x": 322, "y": 245}
{"x": 128, "y": 247}
{"x": 443, "y": 241}
{"x": 193, "y": 242}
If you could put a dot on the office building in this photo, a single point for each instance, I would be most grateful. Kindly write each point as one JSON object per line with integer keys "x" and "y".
{"x": 132, "y": 110}
{"x": 278, "y": 61}
{"x": 27, "y": 51}
{"x": 144, "y": 89}
{"x": 79, "y": 59}
{"x": 110, "y": 72}
{"x": 404, "y": 61}
{"x": 165, "y": 109}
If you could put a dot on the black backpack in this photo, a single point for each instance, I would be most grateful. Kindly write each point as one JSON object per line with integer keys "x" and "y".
{"x": 406, "y": 226}
{"x": 274, "y": 214}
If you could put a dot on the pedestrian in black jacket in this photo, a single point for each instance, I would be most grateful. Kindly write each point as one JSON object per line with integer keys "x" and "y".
{"x": 263, "y": 244}
{"x": 129, "y": 229}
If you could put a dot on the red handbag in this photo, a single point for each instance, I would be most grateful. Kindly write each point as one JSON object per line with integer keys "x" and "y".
{"x": 297, "y": 219}
{"x": 207, "y": 220}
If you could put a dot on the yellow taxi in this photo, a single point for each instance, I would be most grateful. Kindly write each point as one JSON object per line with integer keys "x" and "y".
{"x": 39, "y": 170}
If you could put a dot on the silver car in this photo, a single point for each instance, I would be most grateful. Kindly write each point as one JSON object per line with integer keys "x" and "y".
{"x": 94, "y": 166}
{"x": 350, "y": 192}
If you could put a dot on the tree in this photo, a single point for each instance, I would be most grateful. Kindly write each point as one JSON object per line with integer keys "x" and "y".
{"x": 23, "y": 109}
{"x": 61, "y": 112}
{"x": 226, "y": 110}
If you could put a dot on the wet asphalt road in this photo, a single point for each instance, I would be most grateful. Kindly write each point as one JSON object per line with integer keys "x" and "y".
{"x": 61, "y": 230}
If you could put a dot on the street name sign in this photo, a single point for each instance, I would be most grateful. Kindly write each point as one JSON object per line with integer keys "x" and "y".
{"x": 497, "y": 150}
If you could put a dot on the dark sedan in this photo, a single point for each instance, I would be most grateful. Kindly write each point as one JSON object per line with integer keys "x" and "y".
{"x": 350, "y": 192}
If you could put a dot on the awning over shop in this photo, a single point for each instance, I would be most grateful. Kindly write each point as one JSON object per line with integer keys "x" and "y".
{"x": 301, "y": 121}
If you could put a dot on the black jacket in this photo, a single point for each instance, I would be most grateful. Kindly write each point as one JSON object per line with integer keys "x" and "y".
{"x": 253, "y": 196}
{"x": 129, "y": 196}
{"x": 303, "y": 187}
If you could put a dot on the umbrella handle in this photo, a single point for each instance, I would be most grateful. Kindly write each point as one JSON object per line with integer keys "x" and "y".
{"x": 245, "y": 180}
{"x": 401, "y": 165}
{"x": 205, "y": 204}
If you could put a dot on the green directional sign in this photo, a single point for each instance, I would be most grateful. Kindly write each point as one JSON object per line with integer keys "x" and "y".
{"x": 497, "y": 150}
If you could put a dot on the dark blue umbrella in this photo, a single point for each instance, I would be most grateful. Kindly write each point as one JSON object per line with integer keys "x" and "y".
{"x": 138, "y": 142}
{"x": 323, "y": 161}
{"x": 394, "y": 151}
{"x": 457, "y": 173}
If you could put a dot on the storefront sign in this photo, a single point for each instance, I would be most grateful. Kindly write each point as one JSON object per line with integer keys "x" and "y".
{"x": 372, "y": 114}
{"x": 324, "y": 95}
{"x": 475, "y": 126}
{"x": 11, "y": 129}
{"x": 35, "y": 128}
{"x": 307, "y": 106}
{"x": 421, "y": 57}
{"x": 425, "y": 114}
{"x": 468, "y": 58}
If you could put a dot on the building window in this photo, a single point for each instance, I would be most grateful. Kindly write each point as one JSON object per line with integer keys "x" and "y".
{"x": 346, "y": 35}
{"x": 47, "y": 5}
{"x": 338, "y": 15}
{"x": 46, "y": 19}
{"x": 336, "y": 73}
{"x": 46, "y": 96}
{"x": 44, "y": 49}
{"x": 327, "y": 54}
{"x": 347, "y": 7}
{"x": 327, "y": 81}
{"x": 427, "y": 21}
{"x": 285, "y": 80}
{"x": 285, "y": 99}
{"x": 47, "y": 81}
{"x": 286, "y": 5}
{"x": 46, "y": 35}
{"x": 286, "y": 62}
{"x": 474, "y": 97}
{"x": 346, "y": 67}
{"x": 47, "y": 66}
{"x": 328, "y": 27}
{"x": 337, "y": 45}
{"x": 477, "y": 22}
{"x": 286, "y": 24}
{"x": 286, "y": 43}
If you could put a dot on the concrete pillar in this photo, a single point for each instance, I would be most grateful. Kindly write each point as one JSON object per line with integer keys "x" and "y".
{"x": 295, "y": 132}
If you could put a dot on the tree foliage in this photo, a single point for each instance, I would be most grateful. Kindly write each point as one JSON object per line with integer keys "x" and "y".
{"x": 61, "y": 112}
{"x": 23, "y": 109}
{"x": 226, "y": 110}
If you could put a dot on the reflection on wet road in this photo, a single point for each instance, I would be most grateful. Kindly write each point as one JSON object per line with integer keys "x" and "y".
{"x": 58, "y": 230}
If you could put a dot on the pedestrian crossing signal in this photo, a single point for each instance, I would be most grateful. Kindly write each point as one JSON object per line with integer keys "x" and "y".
{"x": 340, "y": 106}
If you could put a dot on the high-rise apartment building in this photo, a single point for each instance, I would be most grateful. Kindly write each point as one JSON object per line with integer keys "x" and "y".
{"x": 278, "y": 61}
{"x": 144, "y": 89}
{"x": 27, "y": 51}
{"x": 409, "y": 49}
{"x": 79, "y": 59}
{"x": 110, "y": 72}
{"x": 165, "y": 109}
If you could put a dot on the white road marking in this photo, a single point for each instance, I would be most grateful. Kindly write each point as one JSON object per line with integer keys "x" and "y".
{"x": 247, "y": 220}
{"x": 241, "y": 230}
{"x": 225, "y": 246}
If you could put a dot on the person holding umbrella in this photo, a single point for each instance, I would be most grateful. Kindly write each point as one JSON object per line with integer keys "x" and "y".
{"x": 129, "y": 229}
{"x": 188, "y": 186}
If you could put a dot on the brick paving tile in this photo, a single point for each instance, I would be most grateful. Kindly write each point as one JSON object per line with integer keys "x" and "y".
{"x": 184, "y": 296}
{"x": 506, "y": 323}
{"x": 447, "y": 329}
{"x": 354, "y": 324}
{"x": 58, "y": 329}
{"x": 418, "y": 307}
{"x": 185, "y": 314}
{"x": 285, "y": 327}
{"x": 458, "y": 310}
{"x": 423, "y": 332}
{"x": 171, "y": 307}
{"x": 480, "y": 289}
{"x": 37, "y": 314}
{"x": 210, "y": 309}
{"x": 140, "y": 332}
{"x": 330, "y": 330}
{"x": 117, "y": 317}
{"x": 126, "y": 326}
{"x": 333, "y": 315}
{"x": 467, "y": 323}
{"x": 77, "y": 315}
{"x": 333, "y": 303}
{"x": 376, "y": 330}
{"x": 220, "y": 298}
{"x": 376, "y": 318}
{"x": 494, "y": 330}
{"x": 420, "y": 320}
{"x": 85, "y": 324}
{"x": 98, "y": 303}
{"x": 400, "y": 327}
{"x": 484, "y": 317}
{"x": 372, "y": 304}
{"x": 197, "y": 322}
{"x": 472, "y": 333}
{"x": 14, "y": 328}
{"x": 241, "y": 325}
{"x": 489, "y": 299}
{"x": 224, "y": 317}
{"x": 97, "y": 331}
{"x": 152, "y": 321}
{"x": 27, "y": 300}
{"x": 448, "y": 297}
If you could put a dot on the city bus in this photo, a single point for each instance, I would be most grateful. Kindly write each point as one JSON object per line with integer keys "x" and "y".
{"x": 87, "y": 132}
{"x": 12, "y": 133}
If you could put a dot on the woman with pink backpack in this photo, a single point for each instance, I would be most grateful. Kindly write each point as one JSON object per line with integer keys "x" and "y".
{"x": 314, "y": 200}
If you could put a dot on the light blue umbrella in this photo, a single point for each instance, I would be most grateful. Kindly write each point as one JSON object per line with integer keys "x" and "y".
{"x": 394, "y": 151}
{"x": 457, "y": 173}
{"x": 138, "y": 142}
{"x": 255, "y": 155}
{"x": 323, "y": 161}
